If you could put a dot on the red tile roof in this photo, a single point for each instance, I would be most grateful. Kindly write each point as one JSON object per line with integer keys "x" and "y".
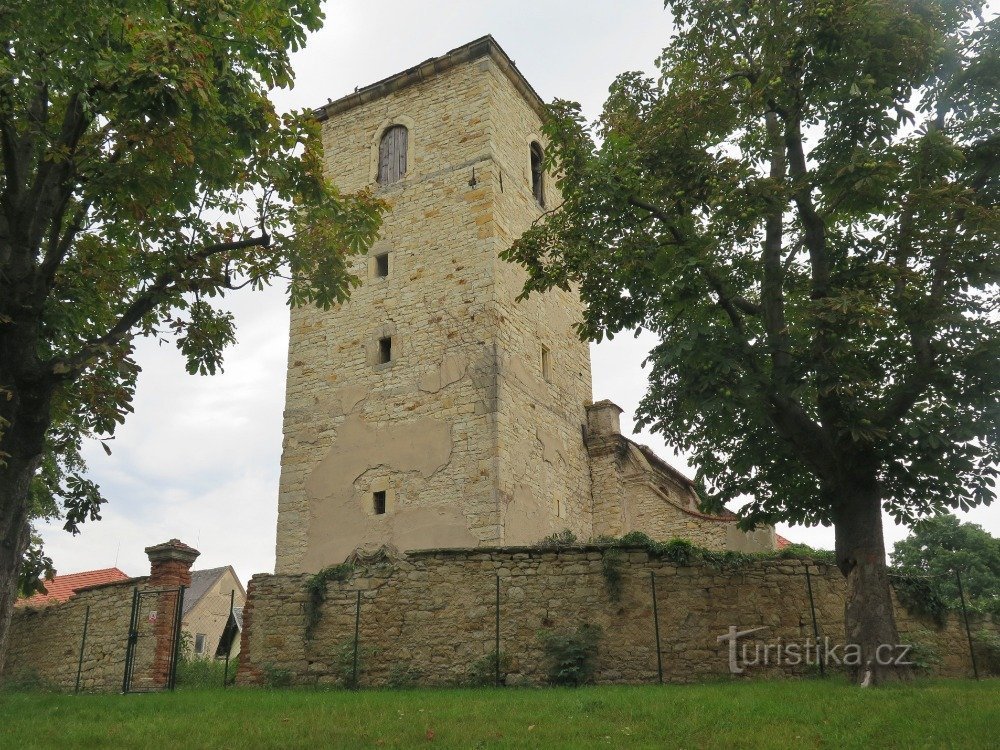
{"x": 781, "y": 541}
{"x": 63, "y": 587}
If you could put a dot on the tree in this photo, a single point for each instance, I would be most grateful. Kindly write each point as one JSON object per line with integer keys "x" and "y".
{"x": 942, "y": 545}
{"x": 145, "y": 174}
{"x": 804, "y": 210}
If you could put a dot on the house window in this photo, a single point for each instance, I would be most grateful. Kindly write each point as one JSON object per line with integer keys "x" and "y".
{"x": 385, "y": 350}
{"x": 378, "y": 502}
{"x": 392, "y": 155}
{"x": 382, "y": 265}
{"x": 199, "y": 644}
{"x": 537, "y": 176}
{"x": 546, "y": 364}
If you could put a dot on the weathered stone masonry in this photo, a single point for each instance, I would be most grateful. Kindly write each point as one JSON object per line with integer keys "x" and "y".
{"x": 45, "y": 642}
{"x": 431, "y": 614}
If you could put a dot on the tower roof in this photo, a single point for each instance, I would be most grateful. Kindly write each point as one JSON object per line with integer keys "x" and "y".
{"x": 485, "y": 46}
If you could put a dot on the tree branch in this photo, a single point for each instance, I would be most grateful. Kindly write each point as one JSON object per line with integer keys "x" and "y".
{"x": 789, "y": 417}
{"x": 52, "y": 186}
{"x": 772, "y": 288}
{"x": 814, "y": 227}
{"x": 911, "y": 388}
{"x": 147, "y": 301}
{"x": 737, "y": 301}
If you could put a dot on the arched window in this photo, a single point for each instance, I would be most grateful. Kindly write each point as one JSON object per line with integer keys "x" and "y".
{"x": 537, "y": 176}
{"x": 392, "y": 155}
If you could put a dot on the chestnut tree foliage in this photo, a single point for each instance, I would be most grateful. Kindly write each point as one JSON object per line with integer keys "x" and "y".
{"x": 803, "y": 208}
{"x": 144, "y": 174}
{"x": 941, "y": 546}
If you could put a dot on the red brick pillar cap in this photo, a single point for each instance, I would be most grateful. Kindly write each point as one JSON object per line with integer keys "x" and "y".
{"x": 175, "y": 549}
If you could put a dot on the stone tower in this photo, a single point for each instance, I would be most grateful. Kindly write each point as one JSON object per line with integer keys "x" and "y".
{"x": 433, "y": 409}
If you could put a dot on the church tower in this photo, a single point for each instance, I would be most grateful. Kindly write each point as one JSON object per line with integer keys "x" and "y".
{"x": 432, "y": 409}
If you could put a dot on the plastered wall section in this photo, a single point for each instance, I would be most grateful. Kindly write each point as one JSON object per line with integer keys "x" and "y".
{"x": 422, "y": 428}
{"x": 45, "y": 642}
{"x": 210, "y": 615}
{"x": 431, "y": 618}
{"x": 544, "y": 476}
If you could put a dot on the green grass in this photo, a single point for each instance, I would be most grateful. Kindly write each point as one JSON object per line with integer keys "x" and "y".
{"x": 780, "y": 714}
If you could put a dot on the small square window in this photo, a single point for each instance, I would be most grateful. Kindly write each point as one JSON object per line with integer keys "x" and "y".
{"x": 385, "y": 350}
{"x": 378, "y": 502}
{"x": 382, "y": 265}
{"x": 546, "y": 364}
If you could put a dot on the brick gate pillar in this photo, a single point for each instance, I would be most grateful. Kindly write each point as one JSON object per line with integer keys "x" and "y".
{"x": 169, "y": 567}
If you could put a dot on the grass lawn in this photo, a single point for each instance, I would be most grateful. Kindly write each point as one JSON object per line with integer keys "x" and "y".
{"x": 785, "y": 714}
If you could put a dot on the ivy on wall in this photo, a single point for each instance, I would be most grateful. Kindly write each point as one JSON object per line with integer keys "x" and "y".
{"x": 316, "y": 588}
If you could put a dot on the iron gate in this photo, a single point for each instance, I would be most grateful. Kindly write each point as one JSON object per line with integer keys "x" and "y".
{"x": 153, "y": 640}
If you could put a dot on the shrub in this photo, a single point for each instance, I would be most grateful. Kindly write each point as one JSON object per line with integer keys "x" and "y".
{"x": 200, "y": 673}
{"x": 403, "y": 675}
{"x": 27, "y": 681}
{"x": 611, "y": 568}
{"x": 924, "y": 656}
{"x": 276, "y": 677}
{"x": 987, "y": 649}
{"x": 483, "y": 671}
{"x": 343, "y": 662}
{"x": 919, "y": 596}
{"x": 571, "y": 656}
{"x": 316, "y": 588}
{"x": 558, "y": 540}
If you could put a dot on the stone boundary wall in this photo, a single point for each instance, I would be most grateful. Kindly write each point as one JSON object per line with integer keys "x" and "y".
{"x": 429, "y": 618}
{"x": 44, "y": 643}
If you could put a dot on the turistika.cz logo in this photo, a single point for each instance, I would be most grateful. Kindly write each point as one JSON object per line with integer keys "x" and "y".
{"x": 808, "y": 652}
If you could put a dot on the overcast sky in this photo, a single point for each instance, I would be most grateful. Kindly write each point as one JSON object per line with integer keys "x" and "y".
{"x": 199, "y": 459}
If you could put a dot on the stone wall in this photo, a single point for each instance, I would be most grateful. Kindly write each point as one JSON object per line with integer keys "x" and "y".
{"x": 635, "y": 490}
{"x": 429, "y": 617}
{"x": 544, "y": 478}
{"x": 45, "y": 642}
{"x": 44, "y": 645}
{"x": 420, "y": 428}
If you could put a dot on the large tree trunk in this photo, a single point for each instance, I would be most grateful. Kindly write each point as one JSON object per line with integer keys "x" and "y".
{"x": 26, "y": 413}
{"x": 870, "y": 622}
{"x": 15, "y": 530}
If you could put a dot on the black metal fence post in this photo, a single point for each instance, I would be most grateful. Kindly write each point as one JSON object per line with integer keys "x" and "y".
{"x": 656, "y": 628}
{"x": 357, "y": 632}
{"x": 968, "y": 632}
{"x": 812, "y": 608}
{"x": 133, "y": 636}
{"x": 225, "y": 673}
{"x": 83, "y": 645}
{"x": 497, "y": 644}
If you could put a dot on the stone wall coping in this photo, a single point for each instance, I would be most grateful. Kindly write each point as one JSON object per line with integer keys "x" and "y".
{"x": 126, "y": 582}
{"x": 533, "y": 551}
{"x": 93, "y": 587}
{"x": 538, "y": 550}
{"x": 172, "y": 550}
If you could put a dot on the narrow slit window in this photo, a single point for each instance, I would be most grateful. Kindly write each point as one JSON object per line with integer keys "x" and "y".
{"x": 385, "y": 350}
{"x": 378, "y": 502}
{"x": 382, "y": 265}
{"x": 537, "y": 175}
{"x": 199, "y": 643}
{"x": 546, "y": 364}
